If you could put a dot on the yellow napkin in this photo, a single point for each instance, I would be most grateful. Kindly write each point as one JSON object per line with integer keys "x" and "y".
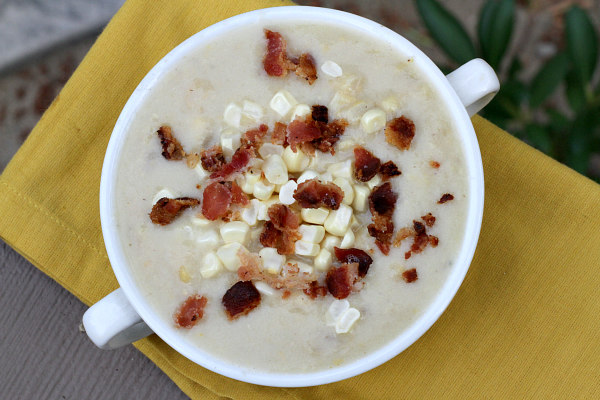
{"x": 525, "y": 323}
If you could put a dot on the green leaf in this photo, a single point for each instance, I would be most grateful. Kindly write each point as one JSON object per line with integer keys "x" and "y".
{"x": 548, "y": 78}
{"x": 495, "y": 28}
{"x": 582, "y": 43}
{"x": 575, "y": 91}
{"x": 579, "y": 149}
{"x": 539, "y": 137}
{"x": 446, "y": 31}
{"x": 515, "y": 68}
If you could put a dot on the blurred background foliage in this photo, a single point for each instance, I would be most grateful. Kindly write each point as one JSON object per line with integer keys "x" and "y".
{"x": 557, "y": 110}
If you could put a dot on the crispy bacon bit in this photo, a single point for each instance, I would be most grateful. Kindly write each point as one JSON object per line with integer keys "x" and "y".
{"x": 290, "y": 278}
{"x": 382, "y": 202}
{"x": 433, "y": 241}
{"x": 314, "y": 194}
{"x": 286, "y": 294}
{"x": 320, "y": 113}
{"x": 281, "y": 232}
{"x": 400, "y": 132}
{"x": 420, "y": 240}
{"x": 429, "y": 219}
{"x": 434, "y": 164}
{"x": 190, "y": 312}
{"x": 341, "y": 280}
{"x": 166, "y": 210}
{"x": 172, "y": 149}
{"x": 315, "y": 290}
{"x": 283, "y": 218}
{"x": 238, "y": 196}
{"x": 212, "y": 159}
{"x": 216, "y": 200}
{"x": 410, "y": 275}
{"x": 239, "y": 161}
{"x": 192, "y": 160}
{"x": 299, "y": 132}
{"x": 305, "y": 68}
{"x": 279, "y": 134}
{"x": 276, "y": 62}
{"x": 446, "y": 197}
{"x": 389, "y": 170}
{"x": 240, "y": 299}
{"x": 330, "y": 134}
{"x": 255, "y": 136}
{"x": 402, "y": 234}
{"x": 366, "y": 164}
{"x": 353, "y": 255}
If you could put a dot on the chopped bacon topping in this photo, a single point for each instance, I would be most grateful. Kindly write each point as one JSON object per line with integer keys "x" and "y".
{"x": 166, "y": 210}
{"x": 320, "y": 113}
{"x": 446, "y": 197}
{"x": 279, "y": 134}
{"x": 239, "y": 161}
{"x": 255, "y": 136}
{"x": 240, "y": 299}
{"x": 382, "y": 202}
{"x": 340, "y": 281}
{"x": 291, "y": 278}
{"x": 283, "y": 218}
{"x": 190, "y": 312}
{"x": 420, "y": 240}
{"x": 172, "y": 149}
{"x": 238, "y": 196}
{"x": 366, "y": 165}
{"x": 389, "y": 170}
{"x": 299, "y": 132}
{"x": 216, "y": 200}
{"x": 330, "y": 134}
{"x": 410, "y": 275}
{"x": 434, "y": 164}
{"x": 400, "y": 132}
{"x": 281, "y": 231}
{"x": 276, "y": 62}
{"x": 315, "y": 290}
{"x": 353, "y": 255}
{"x": 429, "y": 219}
{"x": 212, "y": 159}
{"x": 314, "y": 194}
{"x": 306, "y": 69}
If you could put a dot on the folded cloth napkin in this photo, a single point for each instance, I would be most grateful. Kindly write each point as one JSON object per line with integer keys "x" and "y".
{"x": 524, "y": 323}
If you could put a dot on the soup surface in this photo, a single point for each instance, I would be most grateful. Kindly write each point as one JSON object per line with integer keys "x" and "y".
{"x": 212, "y": 98}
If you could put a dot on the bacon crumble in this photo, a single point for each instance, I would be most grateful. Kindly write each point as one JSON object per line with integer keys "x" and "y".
{"x": 314, "y": 194}
{"x": 315, "y": 290}
{"x": 340, "y": 281}
{"x": 400, "y": 132}
{"x": 255, "y": 136}
{"x": 305, "y": 68}
{"x": 216, "y": 200}
{"x": 366, "y": 165}
{"x": 277, "y": 63}
{"x": 279, "y": 134}
{"x": 281, "y": 231}
{"x": 420, "y": 240}
{"x": 190, "y": 312}
{"x": 382, "y": 202}
{"x": 171, "y": 148}
{"x": 354, "y": 255}
{"x": 410, "y": 275}
{"x": 389, "y": 170}
{"x": 239, "y": 162}
{"x": 434, "y": 164}
{"x": 445, "y": 198}
{"x": 320, "y": 113}
{"x": 166, "y": 210}
{"x": 429, "y": 219}
{"x": 240, "y": 299}
{"x": 238, "y": 196}
{"x": 212, "y": 159}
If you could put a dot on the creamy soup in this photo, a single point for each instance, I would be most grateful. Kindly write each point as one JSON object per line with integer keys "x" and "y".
{"x": 212, "y": 98}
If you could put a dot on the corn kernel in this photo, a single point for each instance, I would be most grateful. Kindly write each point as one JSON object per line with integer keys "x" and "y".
{"x": 235, "y": 231}
{"x": 282, "y": 102}
{"x": 335, "y": 311}
{"x": 300, "y": 111}
{"x": 323, "y": 260}
{"x": 207, "y": 239}
{"x": 330, "y": 242}
{"x": 268, "y": 149}
{"x": 347, "y": 240}
{"x": 230, "y": 141}
{"x": 184, "y": 276}
{"x": 263, "y": 191}
{"x": 228, "y": 254}
{"x": 275, "y": 170}
{"x": 307, "y": 175}
{"x": 373, "y": 120}
{"x": 341, "y": 169}
{"x": 211, "y": 266}
{"x": 252, "y": 111}
{"x": 248, "y": 181}
{"x": 314, "y": 215}
{"x": 331, "y": 68}
{"x": 286, "y": 193}
{"x": 295, "y": 161}
{"x": 338, "y": 220}
{"x": 306, "y": 248}
{"x": 346, "y": 320}
{"x": 346, "y": 188}
{"x": 250, "y": 213}
{"x": 376, "y": 180}
{"x": 361, "y": 198}
{"x": 311, "y": 233}
{"x": 272, "y": 261}
{"x": 232, "y": 115}
{"x": 264, "y": 288}
{"x": 163, "y": 193}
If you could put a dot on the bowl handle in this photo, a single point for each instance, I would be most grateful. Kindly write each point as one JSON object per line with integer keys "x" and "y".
{"x": 475, "y": 83}
{"x": 112, "y": 322}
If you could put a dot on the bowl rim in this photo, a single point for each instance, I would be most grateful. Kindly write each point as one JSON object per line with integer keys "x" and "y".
{"x": 405, "y": 338}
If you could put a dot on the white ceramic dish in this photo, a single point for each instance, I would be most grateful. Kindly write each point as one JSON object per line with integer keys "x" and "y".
{"x": 125, "y": 315}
